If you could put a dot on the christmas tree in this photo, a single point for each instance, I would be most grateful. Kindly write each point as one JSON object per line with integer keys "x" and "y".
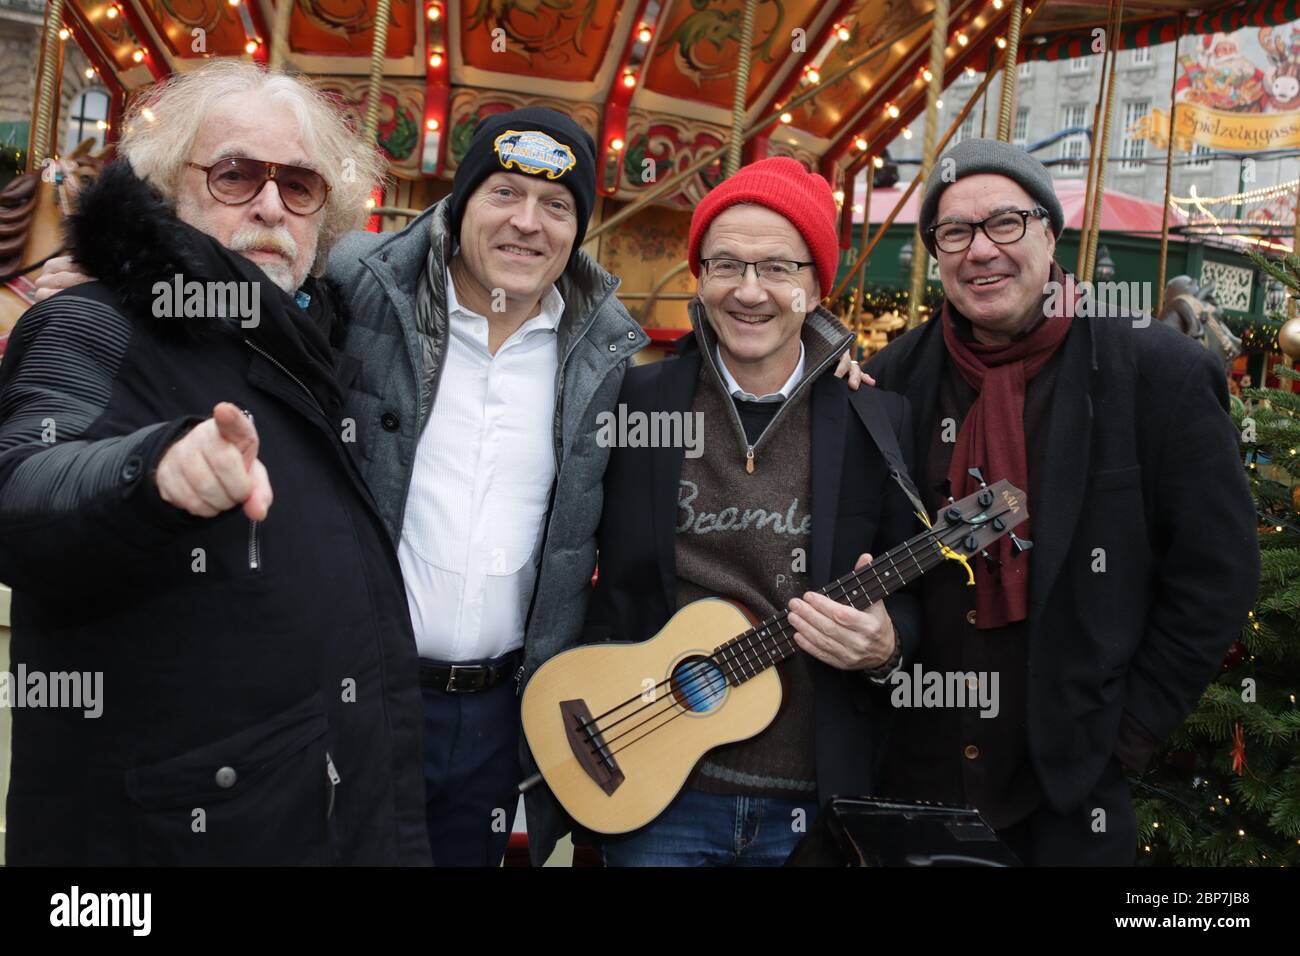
{"x": 1225, "y": 790}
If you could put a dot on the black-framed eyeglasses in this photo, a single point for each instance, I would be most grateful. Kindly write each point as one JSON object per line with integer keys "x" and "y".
{"x": 768, "y": 271}
{"x": 237, "y": 180}
{"x": 1003, "y": 228}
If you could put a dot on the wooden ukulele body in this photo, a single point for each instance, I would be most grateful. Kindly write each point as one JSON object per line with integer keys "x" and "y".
{"x": 643, "y": 716}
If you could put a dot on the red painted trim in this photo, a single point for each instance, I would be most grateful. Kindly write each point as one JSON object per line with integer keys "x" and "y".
{"x": 437, "y": 86}
{"x": 85, "y": 38}
{"x": 786, "y": 90}
{"x": 618, "y": 98}
{"x": 153, "y": 60}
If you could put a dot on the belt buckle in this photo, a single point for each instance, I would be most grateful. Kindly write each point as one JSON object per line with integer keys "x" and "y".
{"x": 462, "y": 669}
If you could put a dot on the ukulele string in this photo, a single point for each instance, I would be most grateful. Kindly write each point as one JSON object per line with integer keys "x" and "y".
{"x": 716, "y": 682}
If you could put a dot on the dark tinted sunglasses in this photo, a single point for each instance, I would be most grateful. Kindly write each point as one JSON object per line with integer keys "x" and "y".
{"x": 236, "y": 181}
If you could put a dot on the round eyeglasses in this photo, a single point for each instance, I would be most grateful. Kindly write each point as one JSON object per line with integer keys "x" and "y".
{"x": 1003, "y": 228}
{"x": 237, "y": 180}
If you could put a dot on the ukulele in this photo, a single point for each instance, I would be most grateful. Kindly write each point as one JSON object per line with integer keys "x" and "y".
{"x": 616, "y": 729}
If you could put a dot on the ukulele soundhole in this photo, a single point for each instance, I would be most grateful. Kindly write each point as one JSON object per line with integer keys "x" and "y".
{"x": 699, "y": 684}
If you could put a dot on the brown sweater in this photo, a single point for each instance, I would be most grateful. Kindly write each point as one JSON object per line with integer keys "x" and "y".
{"x": 746, "y": 537}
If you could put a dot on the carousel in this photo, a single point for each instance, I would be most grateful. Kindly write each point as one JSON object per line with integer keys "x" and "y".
{"x": 677, "y": 95}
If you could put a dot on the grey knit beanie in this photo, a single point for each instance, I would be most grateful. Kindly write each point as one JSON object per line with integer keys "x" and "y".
{"x": 973, "y": 156}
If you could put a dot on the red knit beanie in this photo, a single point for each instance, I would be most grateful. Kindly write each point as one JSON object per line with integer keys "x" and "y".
{"x": 784, "y": 186}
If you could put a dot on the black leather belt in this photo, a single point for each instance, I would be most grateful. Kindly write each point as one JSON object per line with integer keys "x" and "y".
{"x": 469, "y": 678}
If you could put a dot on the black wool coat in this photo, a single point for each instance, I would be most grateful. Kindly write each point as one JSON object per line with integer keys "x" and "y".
{"x": 1143, "y": 462}
{"x": 260, "y": 702}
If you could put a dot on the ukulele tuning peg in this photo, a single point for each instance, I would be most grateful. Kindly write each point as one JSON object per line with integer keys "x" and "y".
{"x": 977, "y": 475}
{"x": 993, "y": 563}
{"x": 1020, "y": 544}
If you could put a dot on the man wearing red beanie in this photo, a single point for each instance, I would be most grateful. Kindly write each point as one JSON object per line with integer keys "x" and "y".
{"x": 733, "y": 517}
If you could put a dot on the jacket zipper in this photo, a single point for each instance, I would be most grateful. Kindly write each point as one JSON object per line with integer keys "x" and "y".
{"x": 707, "y": 349}
{"x": 254, "y": 551}
{"x": 332, "y": 773}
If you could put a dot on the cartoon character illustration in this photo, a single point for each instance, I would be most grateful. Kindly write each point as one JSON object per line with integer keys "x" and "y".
{"x": 1282, "y": 79}
{"x": 1220, "y": 77}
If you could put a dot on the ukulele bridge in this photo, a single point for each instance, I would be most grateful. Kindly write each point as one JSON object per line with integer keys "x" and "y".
{"x": 588, "y": 746}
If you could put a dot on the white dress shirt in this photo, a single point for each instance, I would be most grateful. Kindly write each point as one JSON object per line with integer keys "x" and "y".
{"x": 471, "y": 536}
{"x": 735, "y": 391}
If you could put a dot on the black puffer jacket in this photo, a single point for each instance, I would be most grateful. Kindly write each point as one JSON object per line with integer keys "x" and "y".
{"x": 259, "y": 681}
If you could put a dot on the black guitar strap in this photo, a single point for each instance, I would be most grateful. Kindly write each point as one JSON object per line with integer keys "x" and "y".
{"x": 872, "y": 412}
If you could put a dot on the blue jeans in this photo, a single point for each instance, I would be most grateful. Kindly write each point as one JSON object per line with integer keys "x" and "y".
{"x": 711, "y": 829}
{"x": 471, "y": 773}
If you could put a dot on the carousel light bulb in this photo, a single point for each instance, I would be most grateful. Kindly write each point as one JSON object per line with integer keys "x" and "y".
{"x": 860, "y": 143}
{"x": 813, "y": 75}
{"x": 435, "y": 60}
{"x": 927, "y": 74}
{"x": 938, "y": 104}
{"x": 857, "y": 209}
{"x": 644, "y": 34}
{"x": 138, "y": 56}
{"x": 616, "y": 144}
{"x": 233, "y": 3}
{"x": 431, "y": 125}
{"x": 370, "y": 202}
{"x": 111, "y": 13}
{"x": 907, "y": 133}
{"x": 842, "y": 32}
{"x": 1241, "y": 833}
{"x": 961, "y": 39}
{"x": 970, "y": 71}
{"x": 90, "y": 72}
{"x": 997, "y": 4}
{"x": 892, "y": 111}
{"x": 879, "y": 162}
{"x": 434, "y": 13}
{"x": 787, "y": 118}
{"x": 250, "y": 47}
{"x": 101, "y": 125}
{"x": 64, "y": 34}
{"x": 629, "y": 79}
{"x": 1001, "y": 42}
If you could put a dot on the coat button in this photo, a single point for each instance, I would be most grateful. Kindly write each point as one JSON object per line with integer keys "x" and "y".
{"x": 226, "y": 777}
{"x": 971, "y": 751}
{"x": 131, "y": 470}
{"x": 389, "y": 421}
{"x": 631, "y": 335}
{"x": 613, "y": 347}
{"x": 970, "y": 618}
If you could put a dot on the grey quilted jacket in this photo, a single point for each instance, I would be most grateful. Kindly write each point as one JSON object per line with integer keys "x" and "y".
{"x": 390, "y": 400}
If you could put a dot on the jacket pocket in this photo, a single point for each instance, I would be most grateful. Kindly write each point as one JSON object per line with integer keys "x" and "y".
{"x": 262, "y": 796}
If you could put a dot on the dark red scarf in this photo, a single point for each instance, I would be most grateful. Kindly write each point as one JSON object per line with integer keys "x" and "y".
{"x": 992, "y": 438}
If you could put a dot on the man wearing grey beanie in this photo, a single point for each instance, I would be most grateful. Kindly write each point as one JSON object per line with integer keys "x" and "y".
{"x": 1100, "y": 626}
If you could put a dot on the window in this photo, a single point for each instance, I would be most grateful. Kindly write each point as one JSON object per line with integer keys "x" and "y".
{"x": 1074, "y": 147}
{"x": 1134, "y": 148}
{"x": 1199, "y": 151}
{"x": 1141, "y": 56}
{"x": 1079, "y": 64}
{"x": 88, "y": 111}
{"x": 1026, "y": 69}
{"x": 1020, "y": 135}
{"x": 967, "y": 128}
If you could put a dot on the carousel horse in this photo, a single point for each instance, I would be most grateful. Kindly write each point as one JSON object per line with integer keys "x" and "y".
{"x": 32, "y": 208}
{"x": 1190, "y": 308}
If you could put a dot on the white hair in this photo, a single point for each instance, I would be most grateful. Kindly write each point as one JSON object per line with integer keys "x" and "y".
{"x": 164, "y": 122}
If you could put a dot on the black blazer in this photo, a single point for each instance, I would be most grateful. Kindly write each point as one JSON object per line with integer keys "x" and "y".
{"x": 1144, "y": 462}
{"x": 856, "y": 508}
